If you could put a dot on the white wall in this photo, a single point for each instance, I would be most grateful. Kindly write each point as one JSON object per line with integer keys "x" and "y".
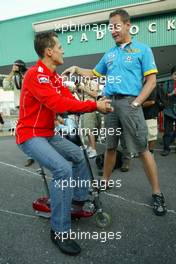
{"x": 6, "y": 101}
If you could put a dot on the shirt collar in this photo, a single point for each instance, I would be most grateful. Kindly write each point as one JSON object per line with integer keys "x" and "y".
{"x": 44, "y": 69}
{"x": 126, "y": 44}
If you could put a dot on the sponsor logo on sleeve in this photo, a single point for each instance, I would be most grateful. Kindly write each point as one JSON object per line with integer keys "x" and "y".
{"x": 43, "y": 78}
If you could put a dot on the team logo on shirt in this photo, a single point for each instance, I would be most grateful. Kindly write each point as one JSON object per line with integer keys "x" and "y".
{"x": 111, "y": 55}
{"x": 43, "y": 78}
{"x": 128, "y": 59}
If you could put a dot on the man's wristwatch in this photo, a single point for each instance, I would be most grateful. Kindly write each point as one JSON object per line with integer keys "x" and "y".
{"x": 135, "y": 104}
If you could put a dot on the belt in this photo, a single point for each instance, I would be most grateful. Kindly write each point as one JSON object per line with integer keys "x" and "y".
{"x": 120, "y": 96}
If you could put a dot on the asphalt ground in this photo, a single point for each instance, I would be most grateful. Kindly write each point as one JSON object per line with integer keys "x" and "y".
{"x": 145, "y": 238}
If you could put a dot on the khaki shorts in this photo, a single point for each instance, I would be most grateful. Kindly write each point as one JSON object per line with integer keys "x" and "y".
{"x": 89, "y": 122}
{"x": 131, "y": 121}
{"x": 152, "y": 129}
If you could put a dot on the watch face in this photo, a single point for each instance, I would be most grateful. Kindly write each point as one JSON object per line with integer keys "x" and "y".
{"x": 135, "y": 104}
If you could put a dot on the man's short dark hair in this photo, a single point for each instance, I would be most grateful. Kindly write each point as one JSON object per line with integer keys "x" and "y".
{"x": 125, "y": 17}
{"x": 43, "y": 41}
{"x": 22, "y": 66}
{"x": 173, "y": 69}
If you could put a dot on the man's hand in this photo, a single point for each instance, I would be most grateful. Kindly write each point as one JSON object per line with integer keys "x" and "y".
{"x": 60, "y": 120}
{"x": 104, "y": 106}
{"x": 102, "y": 98}
{"x": 15, "y": 68}
{"x": 80, "y": 71}
{"x": 71, "y": 70}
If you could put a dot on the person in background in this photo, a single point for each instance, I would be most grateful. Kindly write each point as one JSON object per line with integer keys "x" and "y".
{"x": 170, "y": 114}
{"x": 14, "y": 81}
{"x": 89, "y": 90}
{"x": 1, "y": 122}
{"x": 151, "y": 110}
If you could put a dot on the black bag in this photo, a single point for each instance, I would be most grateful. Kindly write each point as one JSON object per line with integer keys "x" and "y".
{"x": 100, "y": 160}
{"x": 1, "y": 120}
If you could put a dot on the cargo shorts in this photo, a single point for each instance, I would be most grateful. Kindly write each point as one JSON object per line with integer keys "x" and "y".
{"x": 152, "y": 125}
{"x": 131, "y": 122}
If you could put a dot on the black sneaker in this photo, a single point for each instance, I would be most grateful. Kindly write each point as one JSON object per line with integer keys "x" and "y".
{"x": 126, "y": 165}
{"x": 65, "y": 244}
{"x": 78, "y": 203}
{"x": 159, "y": 206}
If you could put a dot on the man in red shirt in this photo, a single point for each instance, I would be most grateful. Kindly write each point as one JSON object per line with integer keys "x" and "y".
{"x": 42, "y": 96}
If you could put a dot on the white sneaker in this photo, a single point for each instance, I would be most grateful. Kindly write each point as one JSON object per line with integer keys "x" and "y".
{"x": 92, "y": 153}
{"x": 89, "y": 149}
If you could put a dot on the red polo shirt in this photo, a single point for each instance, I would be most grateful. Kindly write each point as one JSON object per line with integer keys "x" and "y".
{"x": 42, "y": 96}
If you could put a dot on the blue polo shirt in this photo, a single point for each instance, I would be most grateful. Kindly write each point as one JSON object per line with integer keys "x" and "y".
{"x": 125, "y": 68}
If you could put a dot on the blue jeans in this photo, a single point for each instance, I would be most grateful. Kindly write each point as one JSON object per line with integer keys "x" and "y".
{"x": 55, "y": 153}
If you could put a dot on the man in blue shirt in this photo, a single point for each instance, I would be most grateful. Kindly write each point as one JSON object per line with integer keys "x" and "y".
{"x": 125, "y": 66}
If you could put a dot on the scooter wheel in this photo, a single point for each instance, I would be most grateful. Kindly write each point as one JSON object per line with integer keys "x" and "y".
{"x": 103, "y": 220}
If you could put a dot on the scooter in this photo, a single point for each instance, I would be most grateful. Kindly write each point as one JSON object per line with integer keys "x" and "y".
{"x": 93, "y": 206}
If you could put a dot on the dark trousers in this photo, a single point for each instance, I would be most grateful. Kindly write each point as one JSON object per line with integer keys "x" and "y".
{"x": 169, "y": 132}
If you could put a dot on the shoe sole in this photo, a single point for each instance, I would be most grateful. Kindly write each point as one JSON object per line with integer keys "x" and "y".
{"x": 92, "y": 157}
{"x": 124, "y": 170}
{"x": 159, "y": 213}
{"x": 65, "y": 252}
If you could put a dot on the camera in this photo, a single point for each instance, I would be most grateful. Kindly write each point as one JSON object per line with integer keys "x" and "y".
{"x": 21, "y": 66}
{"x": 18, "y": 73}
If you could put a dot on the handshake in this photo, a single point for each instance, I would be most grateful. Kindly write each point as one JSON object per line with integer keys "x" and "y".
{"x": 104, "y": 105}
